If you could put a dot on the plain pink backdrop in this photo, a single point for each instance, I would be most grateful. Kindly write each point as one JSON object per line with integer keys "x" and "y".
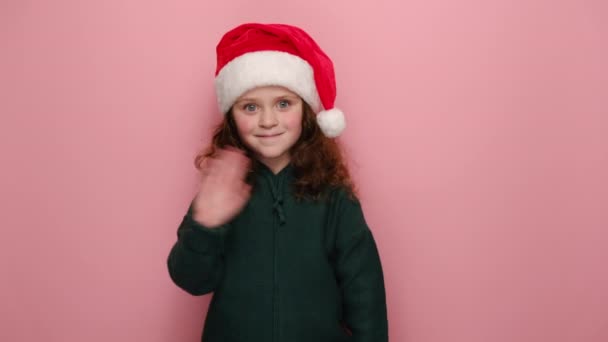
{"x": 478, "y": 132}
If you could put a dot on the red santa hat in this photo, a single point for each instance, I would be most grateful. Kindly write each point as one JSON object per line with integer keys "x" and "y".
{"x": 253, "y": 55}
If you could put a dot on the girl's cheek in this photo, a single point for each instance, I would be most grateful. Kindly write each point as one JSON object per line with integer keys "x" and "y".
{"x": 243, "y": 131}
{"x": 243, "y": 125}
{"x": 294, "y": 121}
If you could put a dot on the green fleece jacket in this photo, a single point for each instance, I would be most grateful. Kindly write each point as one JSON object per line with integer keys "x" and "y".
{"x": 285, "y": 270}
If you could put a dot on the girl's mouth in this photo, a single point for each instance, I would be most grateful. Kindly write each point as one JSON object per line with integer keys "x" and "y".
{"x": 269, "y": 136}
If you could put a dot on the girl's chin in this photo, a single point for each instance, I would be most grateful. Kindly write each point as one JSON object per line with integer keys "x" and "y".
{"x": 271, "y": 155}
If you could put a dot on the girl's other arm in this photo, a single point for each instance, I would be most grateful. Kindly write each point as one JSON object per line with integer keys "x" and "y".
{"x": 195, "y": 262}
{"x": 360, "y": 276}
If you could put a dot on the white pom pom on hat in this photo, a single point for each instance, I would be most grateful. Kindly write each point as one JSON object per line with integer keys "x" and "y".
{"x": 332, "y": 122}
{"x": 253, "y": 55}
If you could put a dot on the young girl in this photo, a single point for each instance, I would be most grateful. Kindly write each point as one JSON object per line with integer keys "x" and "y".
{"x": 276, "y": 231}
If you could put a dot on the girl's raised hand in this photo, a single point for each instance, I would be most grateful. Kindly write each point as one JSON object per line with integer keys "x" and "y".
{"x": 223, "y": 192}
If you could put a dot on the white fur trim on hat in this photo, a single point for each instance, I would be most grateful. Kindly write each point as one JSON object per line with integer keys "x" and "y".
{"x": 332, "y": 122}
{"x": 265, "y": 68}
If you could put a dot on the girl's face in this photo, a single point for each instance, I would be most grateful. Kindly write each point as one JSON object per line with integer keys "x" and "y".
{"x": 269, "y": 122}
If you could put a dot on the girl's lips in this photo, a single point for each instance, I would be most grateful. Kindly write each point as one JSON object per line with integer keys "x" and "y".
{"x": 269, "y": 136}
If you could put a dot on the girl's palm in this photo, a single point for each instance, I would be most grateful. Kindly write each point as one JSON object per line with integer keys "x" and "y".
{"x": 223, "y": 192}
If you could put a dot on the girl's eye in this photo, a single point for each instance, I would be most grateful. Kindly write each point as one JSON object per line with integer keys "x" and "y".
{"x": 250, "y": 107}
{"x": 284, "y": 104}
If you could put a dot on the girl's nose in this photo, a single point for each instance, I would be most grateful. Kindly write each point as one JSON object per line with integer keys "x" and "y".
{"x": 268, "y": 118}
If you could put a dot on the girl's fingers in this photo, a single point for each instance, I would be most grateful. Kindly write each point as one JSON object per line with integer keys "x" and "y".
{"x": 245, "y": 192}
{"x": 234, "y": 164}
{"x": 235, "y": 155}
{"x": 234, "y": 149}
{"x": 213, "y": 167}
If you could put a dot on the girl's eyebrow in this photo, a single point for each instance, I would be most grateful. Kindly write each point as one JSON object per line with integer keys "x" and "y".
{"x": 247, "y": 99}
{"x": 251, "y": 99}
{"x": 287, "y": 96}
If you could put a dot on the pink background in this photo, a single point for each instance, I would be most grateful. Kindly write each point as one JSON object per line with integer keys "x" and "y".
{"x": 478, "y": 132}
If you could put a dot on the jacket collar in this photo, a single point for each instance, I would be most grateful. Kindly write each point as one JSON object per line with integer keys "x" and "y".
{"x": 276, "y": 183}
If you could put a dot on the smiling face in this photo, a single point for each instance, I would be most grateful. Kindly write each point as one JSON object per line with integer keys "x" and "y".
{"x": 269, "y": 122}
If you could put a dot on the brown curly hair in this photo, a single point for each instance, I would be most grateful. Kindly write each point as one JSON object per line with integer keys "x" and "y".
{"x": 318, "y": 161}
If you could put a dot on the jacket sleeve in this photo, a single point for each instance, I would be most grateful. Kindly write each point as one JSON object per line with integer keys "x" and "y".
{"x": 360, "y": 276}
{"x": 195, "y": 261}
